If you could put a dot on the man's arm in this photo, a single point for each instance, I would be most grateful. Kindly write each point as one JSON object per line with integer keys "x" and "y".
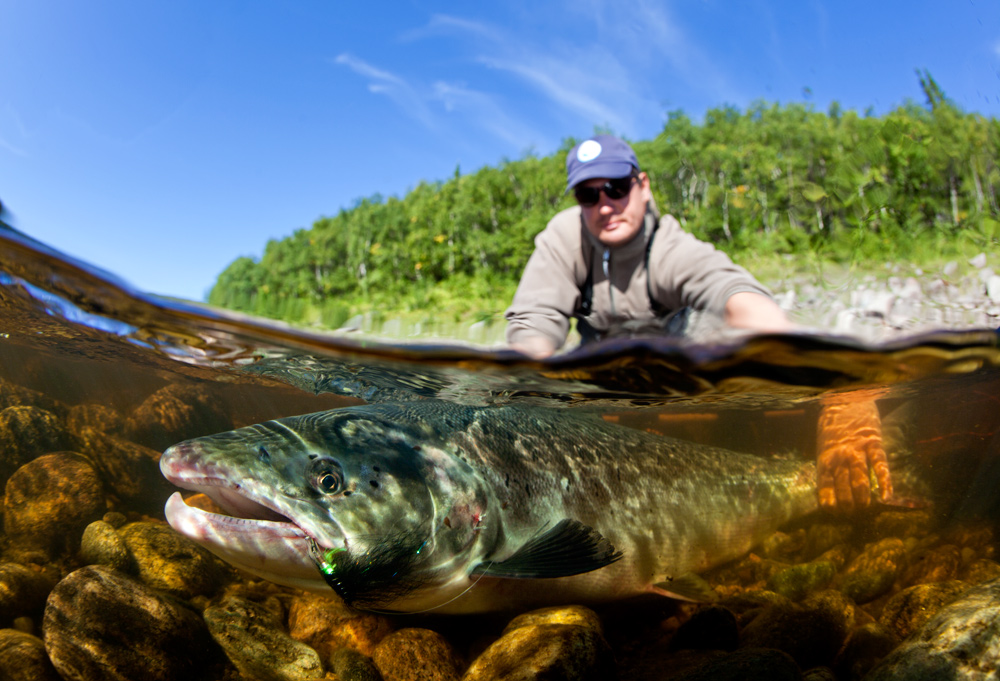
{"x": 536, "y": 347}
{"x": 538, "y": 318}
{"x": 755, "y": 312}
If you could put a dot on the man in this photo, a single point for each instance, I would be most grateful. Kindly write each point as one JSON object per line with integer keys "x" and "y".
{"x": 620, "y": 269}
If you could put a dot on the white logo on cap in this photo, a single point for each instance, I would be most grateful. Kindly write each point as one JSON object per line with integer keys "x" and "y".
{"x": 588, "y": 151}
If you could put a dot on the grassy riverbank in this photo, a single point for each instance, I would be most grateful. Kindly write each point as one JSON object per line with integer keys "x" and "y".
{"x": 813, "y": 288}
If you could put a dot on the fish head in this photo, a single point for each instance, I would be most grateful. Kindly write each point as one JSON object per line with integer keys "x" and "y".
{"x": 374, "y": 506}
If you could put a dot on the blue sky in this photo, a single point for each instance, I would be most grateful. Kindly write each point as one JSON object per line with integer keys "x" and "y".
{"x": 162, "y": 140}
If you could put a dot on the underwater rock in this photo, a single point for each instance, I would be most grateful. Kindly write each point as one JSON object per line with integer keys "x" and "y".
{"x": 100, "y": 624}
{"x": 27, "y": 432}
{"x": 255, "y": 643}
{"x": 959, "y": 642}
{"x": 812, "y": 636}
{"x": 798, "y": 581}
{"x": 873, "y": 572}
{"x": 23, "y": 658}
{"x": 864, "y": 648}
{"x": 821, "y": 537}
{"x": 901, "y": 524}
{"x": 979, "y": 538}
{"x": 174, "y": 413}
{"x": 710, "y": 628}
{"x": 747, "y": 605}
{"x": 783, "y": 546}
{"x": 115, "y": 519}
{"x": 839, "y": 605}
{"x": 573, "y": 652}
{"x": 350, "y": 665}
{"x": 23, "y": 591}
{"x": 561, "y": 614}
{"x": 656, "y": 663}
{"x": 326, "y": 624}
{"x": 99, "y": 416}
{"x": 50, "y": 500}
{"x": 747, "y": 664}
{"x": 14, "y": 395}
{"x": 131, "y": 471}
{"x": 981, "y": 570}
{"x": 416, "y": 655}
{"x": 102, "y": 545}
{"x": 938, "y": 564}
{"x": 912, "y": 608}
{"x": 168, "y": 561}
{"x": 819, "y": 674}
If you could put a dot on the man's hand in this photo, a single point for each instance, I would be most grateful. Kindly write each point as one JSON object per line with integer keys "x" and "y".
{"x": 752, "y": 311}
{"x": 848, "y": 444}
{"x": 536, "y": 347}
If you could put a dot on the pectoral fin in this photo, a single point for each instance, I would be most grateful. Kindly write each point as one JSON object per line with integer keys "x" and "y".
{"x": 687, "y": 587}
{"x": 569, "y": 548}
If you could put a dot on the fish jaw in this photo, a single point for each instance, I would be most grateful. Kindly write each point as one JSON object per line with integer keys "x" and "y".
{"x": 262, "y": 538}
{"x": 276, "y": 551}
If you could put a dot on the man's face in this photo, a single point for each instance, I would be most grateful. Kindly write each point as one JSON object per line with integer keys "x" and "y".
{"x": 614, "y": 222}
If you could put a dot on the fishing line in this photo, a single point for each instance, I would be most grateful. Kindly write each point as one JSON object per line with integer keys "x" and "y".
{"x": 439, "y": 605}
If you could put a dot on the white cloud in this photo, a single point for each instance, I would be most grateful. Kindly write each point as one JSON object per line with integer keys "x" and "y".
{"x": 655, "y": 30}
{"x": 480, "y": 109}
{"x": 17, "y": 151}
{"x": 443, "y": 24}
{"x": 382, "y": 82}
{"x": 22, "y": 133}
{"x": 567, "y": 87}
{"x": 617, "y": 77}
{"x": 485, "y": 112}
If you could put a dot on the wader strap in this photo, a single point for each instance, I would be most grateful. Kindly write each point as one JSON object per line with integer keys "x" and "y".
{"x": 588, "y": 333}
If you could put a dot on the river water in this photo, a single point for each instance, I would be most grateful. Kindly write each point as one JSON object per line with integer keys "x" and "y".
{"x": 86, "y": 361}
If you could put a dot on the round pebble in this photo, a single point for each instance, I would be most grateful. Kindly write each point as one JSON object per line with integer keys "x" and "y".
{"x": 326, "y": 624}
{"x": 23, "y": 658}
{"x": 545, "y": 651}
{"x": 873, "y": 572}
{"x": 908, "y": 610}
{"x": 256, "y": 644}
{"x": 23, "y": 591}
{"x": 166, "y": 560}
{"x": 50, "y": 500}
{"x": 27, "y": 432}
{"x": 174, "y": 413}
{"x": 102, "y": 545}
{"x": 97, "y": 621}
{"x": 417, "y": 655}
{"x": 711, "y": 628}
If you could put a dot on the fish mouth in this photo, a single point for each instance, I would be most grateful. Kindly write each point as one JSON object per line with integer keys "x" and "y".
{"x": 257, "y": 537}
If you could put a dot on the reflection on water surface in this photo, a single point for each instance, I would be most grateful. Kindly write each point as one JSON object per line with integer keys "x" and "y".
{"x": 95, "y": 381}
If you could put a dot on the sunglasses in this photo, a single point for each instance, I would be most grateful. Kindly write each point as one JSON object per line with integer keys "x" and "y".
{"x": 613, "y": 189}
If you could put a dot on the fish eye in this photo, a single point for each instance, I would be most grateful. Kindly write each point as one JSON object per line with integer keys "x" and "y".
{"x": 327, "y": 476}
{"x": 328, "y": 481}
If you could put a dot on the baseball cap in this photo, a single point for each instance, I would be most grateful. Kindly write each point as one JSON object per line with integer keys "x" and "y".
{"x": 600, "y": 156}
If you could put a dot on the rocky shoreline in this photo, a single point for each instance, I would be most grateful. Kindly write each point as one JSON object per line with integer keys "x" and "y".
{"x": 899, "y": 302}
{"x": 873, "y": 306}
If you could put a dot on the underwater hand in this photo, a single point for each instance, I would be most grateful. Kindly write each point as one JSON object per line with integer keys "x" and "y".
{"x": 848, "y": 446}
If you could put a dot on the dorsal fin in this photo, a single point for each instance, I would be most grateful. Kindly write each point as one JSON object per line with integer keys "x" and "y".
{"x": 569, "y": 548}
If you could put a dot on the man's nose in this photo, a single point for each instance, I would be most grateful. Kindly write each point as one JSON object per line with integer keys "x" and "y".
{"x": 605, "y": 205}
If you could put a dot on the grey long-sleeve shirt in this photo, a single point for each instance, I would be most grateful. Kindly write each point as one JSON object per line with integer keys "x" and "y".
{"x": 683, "y": 272}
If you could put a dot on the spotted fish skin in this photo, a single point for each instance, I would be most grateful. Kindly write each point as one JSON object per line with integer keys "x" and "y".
{"x": 452, "y": 490}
